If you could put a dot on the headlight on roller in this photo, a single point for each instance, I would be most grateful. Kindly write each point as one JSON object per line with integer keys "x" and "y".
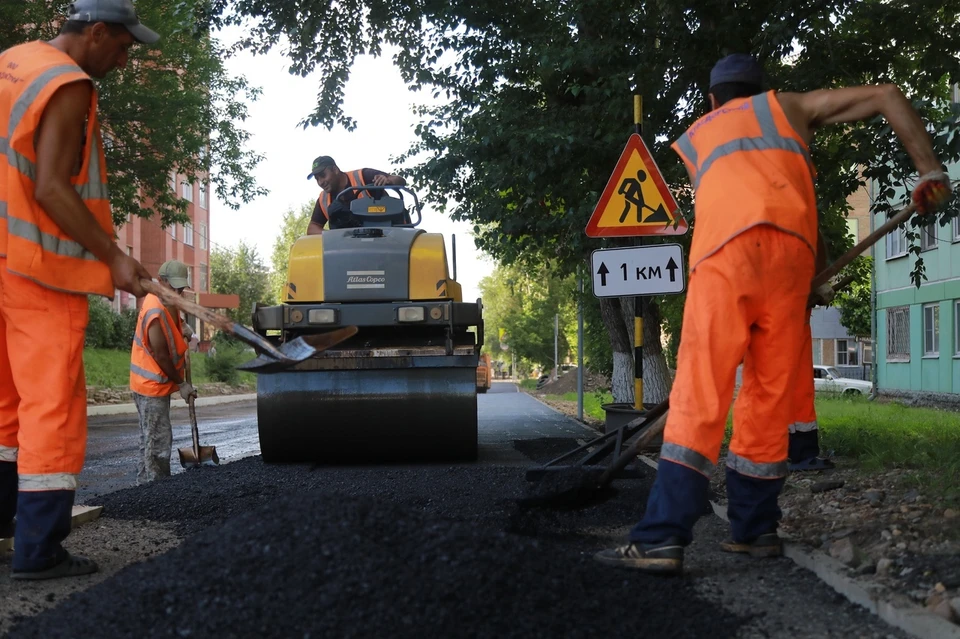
{"x": 410, "y": 314}
{"x": 322, "y": 316}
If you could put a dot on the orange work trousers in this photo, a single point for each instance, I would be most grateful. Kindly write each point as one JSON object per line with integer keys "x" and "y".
{"x": 746, "y": 303}
{"x": 43, "y": 395}
{"x": 804, "y": 410}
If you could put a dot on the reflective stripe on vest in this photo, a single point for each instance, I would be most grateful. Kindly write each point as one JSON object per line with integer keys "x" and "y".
{"x": 748, "y": 167}
{"x": 354, "y": 178}
{"x": 146, "y": 376}
{"x": 687, "y": 457}
{"x": 769, "y": 470}
{"x": 769, "y": 139}
{"x": 34, "y": 245}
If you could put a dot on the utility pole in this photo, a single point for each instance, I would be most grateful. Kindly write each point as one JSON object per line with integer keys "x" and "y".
{"x": 580, "y": 347}
{"x": 556, "y": 346}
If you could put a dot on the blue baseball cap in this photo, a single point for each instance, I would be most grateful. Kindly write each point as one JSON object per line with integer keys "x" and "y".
{"x": 737, "y": 67}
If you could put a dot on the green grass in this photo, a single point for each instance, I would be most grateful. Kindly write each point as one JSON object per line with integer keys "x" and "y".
{"x": 528, "y": 384}
{"x": 591, "y": 402}
{"x": 111, "y": 368}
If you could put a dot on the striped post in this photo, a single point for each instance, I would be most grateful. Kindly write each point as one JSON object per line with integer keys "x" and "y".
{"x": 638, "y": 300}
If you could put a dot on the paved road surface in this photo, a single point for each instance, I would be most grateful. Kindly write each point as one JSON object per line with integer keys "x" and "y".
{"x": 505, "y": 415}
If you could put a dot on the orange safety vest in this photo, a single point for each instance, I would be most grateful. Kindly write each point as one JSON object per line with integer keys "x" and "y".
{"x": 354, "y": 178}
{"x": 35, "y": 247}
{"x": 146, "y": 376}
{"x": 748, "y": 167}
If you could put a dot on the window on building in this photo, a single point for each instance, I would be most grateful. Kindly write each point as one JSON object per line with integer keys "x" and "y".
{"x": 190, "y": 277}
{"x": 931, "y": 330}
{"x": 853, "y": 229}
{"x": 896, "y": 243}
{"x": 818, "y": 351}
{"x": 202, "y": 232}
{"x": 928, "y": 237}
{"x": 203, "y": 195}
{"x": 173, "y": 231}
{"x": 848, "y": 352}
{"x": 955, "y": 94}
{"x": 956, "y": 327}
{"x": 203, "y": 277}
{"x": 867, "y": 350}
{"x": 186, "y": 191}
{"x": 188, "y": 234}
{"x": 173, "y": 181}
{"x": 898, "y": 334}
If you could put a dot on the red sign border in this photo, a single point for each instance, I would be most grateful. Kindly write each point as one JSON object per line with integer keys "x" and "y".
{"x": 593, "y": 230}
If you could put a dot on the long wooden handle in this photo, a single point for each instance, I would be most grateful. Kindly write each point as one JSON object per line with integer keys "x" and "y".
{"x": 194, "y": 431}
{"x": 902, "y": 216}
{"x": 171, "y": 298}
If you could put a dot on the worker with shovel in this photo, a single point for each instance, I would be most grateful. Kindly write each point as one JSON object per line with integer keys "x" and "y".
{"x": 751, "y": 264}
{"x": 157, "y": 371}
{"x": 57, "y": 247}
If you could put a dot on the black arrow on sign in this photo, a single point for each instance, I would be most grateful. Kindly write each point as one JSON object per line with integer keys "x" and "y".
{"x": 672, "y": 267}
{"x": 602, "y": 272}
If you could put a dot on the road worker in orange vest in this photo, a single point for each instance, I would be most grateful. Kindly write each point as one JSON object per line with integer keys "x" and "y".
{"x": 157, "y": 370}
{"x": 751, "y": 262}
{"x": 332, "y": 180}
{"x": 56, "y": 247}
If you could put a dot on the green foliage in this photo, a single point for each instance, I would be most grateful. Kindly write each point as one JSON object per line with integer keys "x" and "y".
{"x": 294, "y": 226}
{"x": 524, "y": 302}
{"x": 854, "y": 301}
{"x": 597, "y": 352}
{"x": 174, "y": 107}
{"x": 100, "y": 325}
{"x": 222, "y": 367}
{"x": 106, "y": 329}
{"x": 240, "y": 271}
{"x": 592, "y": 403}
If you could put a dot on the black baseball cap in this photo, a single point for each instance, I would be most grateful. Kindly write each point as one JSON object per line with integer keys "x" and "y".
{"x": 320, "y": 164}
{"x": 737, "y": 67}
{"x": 115, "y": 12}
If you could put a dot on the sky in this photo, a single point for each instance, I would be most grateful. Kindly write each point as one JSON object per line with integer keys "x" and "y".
{"x": 385, "y": 129}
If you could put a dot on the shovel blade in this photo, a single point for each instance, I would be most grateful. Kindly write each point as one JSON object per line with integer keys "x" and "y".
{"x": 208, "y": 457}
{"x": 297, "y": 350}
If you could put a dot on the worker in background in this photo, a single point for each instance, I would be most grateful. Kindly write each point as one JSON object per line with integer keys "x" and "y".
{"x": 56, "y": 239}
{"x": 751, "y": 263}
{"x": 158, "y": 360}
{"x": 332, "y": 180}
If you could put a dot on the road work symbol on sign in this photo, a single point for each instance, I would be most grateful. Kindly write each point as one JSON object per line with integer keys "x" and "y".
{"x": 638, "y": 270}
{"x": 636, "y": 200}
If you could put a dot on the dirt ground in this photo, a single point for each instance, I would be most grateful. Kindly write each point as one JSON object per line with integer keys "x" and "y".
{"x": 890, "y": 534}
{"x": 567, "y": 383}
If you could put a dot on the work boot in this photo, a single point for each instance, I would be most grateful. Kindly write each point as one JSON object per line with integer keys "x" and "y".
{"x": 768, "y": 545}
{"x": 663, "y": 558}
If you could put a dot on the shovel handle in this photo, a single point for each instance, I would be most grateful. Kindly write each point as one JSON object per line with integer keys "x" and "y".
{"x": 194, "y": 431}
{"x": 902, "y": 216}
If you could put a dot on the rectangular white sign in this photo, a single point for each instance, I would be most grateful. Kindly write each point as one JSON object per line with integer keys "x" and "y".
{"x": 638, "y": 270}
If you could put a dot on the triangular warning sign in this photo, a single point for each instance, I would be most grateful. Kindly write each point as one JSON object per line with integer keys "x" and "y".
{"x": 636, "y": 200}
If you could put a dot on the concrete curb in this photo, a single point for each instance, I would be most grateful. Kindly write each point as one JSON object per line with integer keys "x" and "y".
{"x": 914, "y": 620}
{"x": 124, "y": 409}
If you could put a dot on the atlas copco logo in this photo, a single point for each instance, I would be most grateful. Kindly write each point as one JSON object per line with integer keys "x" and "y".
{"x": 366, "y": 279}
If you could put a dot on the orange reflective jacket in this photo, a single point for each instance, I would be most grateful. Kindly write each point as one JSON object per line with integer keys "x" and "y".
{"x": 354, "y": 178}
{"x": 146, "y": 376}
{"x": 34, "y": 245}
{"x": 748, "y": 167}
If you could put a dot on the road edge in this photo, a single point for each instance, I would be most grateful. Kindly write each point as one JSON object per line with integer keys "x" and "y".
{"x": 915, "y": 621}
{"x": 126, "y": 409}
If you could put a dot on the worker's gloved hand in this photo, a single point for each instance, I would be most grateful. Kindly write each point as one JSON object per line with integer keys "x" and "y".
{"x": 187, "y": 390}
{"x": 822, "y": 296}
{"x": 932, "y": 191}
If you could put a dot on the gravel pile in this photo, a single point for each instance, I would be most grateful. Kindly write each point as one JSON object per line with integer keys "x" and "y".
{"x": 434, "y": 554}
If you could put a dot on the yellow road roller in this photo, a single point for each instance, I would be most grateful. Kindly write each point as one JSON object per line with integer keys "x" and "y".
{"x": 404, "y": 387}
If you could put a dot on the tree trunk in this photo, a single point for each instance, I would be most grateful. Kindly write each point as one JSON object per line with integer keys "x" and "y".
{"x": 618, "y": 318}
{"x": 621, "y": 381}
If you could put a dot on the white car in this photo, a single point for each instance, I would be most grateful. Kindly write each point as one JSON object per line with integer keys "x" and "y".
{"x": 827, "y": 379}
